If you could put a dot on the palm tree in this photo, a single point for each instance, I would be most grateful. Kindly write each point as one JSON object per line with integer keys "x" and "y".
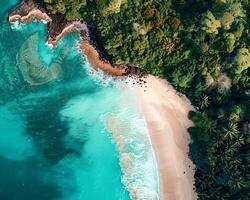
{"x": 231, "y": 130}
{"x": 236, "y": 182}
{"x": 239, "y": 141}
{"x": 230, "y": 149}
{"x": 203, "y": 101}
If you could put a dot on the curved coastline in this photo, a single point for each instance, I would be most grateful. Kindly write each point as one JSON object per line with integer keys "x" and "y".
{"x": 166, "y": 114}
{"x": 93, "y": 57}
{"x": 131, "y": 136}
{"x": 175, "y": 170}
{"x": 89, "y": 50}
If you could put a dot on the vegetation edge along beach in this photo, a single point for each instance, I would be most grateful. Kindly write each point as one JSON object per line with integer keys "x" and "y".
{"x": 202, "y": 48}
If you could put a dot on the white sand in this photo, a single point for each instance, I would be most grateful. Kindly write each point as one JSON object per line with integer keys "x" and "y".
{"x": 166, "y": 116}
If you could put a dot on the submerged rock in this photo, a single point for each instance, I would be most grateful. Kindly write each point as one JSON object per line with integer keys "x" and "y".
{"x": 33, "y": 70}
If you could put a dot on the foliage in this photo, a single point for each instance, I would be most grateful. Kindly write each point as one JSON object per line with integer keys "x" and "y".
{"x": 202, "y": 48}
{"x": 209, "y": 23}
{"x": 242, "y": 60}
{"x": 107, "y": 7}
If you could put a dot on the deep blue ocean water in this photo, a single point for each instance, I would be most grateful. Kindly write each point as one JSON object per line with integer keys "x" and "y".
{"x": 54, "y": 143}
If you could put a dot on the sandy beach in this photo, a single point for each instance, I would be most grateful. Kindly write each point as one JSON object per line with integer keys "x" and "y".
{"x": 166, "y": 116}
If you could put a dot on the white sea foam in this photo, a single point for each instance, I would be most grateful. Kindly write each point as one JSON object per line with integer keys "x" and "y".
{"x": 44, "y": 21}
{"x": 101, "y": 77}
{"x": 16, "y": 25}
{"x": 137, "y": 161}
{"x": 49, "y": 45}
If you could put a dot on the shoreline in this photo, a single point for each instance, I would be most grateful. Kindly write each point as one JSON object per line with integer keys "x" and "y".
{"x": 68, "y": 29}
{"x": 93, "y": 58}
{"x": 29, "y": 10}
{"x": 130, "y": 134}
{"x": 165, "y": 113}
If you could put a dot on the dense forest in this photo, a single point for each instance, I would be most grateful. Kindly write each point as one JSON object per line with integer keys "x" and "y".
{"x": 203, "y": 48}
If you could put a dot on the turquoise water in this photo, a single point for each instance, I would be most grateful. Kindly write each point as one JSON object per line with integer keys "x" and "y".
{"x": 55, "y": 143}
{"x": 5, "y": 6}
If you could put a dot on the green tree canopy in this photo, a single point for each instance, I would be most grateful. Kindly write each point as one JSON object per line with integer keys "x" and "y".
{"x": 229, "y": 40}
{"x": 242, "y": 60}
{"x": 209, "y": 23}
{"x": 226, "y": 20}
{"x": 107, "y": 7}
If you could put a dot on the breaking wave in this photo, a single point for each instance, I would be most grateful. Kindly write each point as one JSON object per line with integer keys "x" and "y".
{"x": 130, "y": 134}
